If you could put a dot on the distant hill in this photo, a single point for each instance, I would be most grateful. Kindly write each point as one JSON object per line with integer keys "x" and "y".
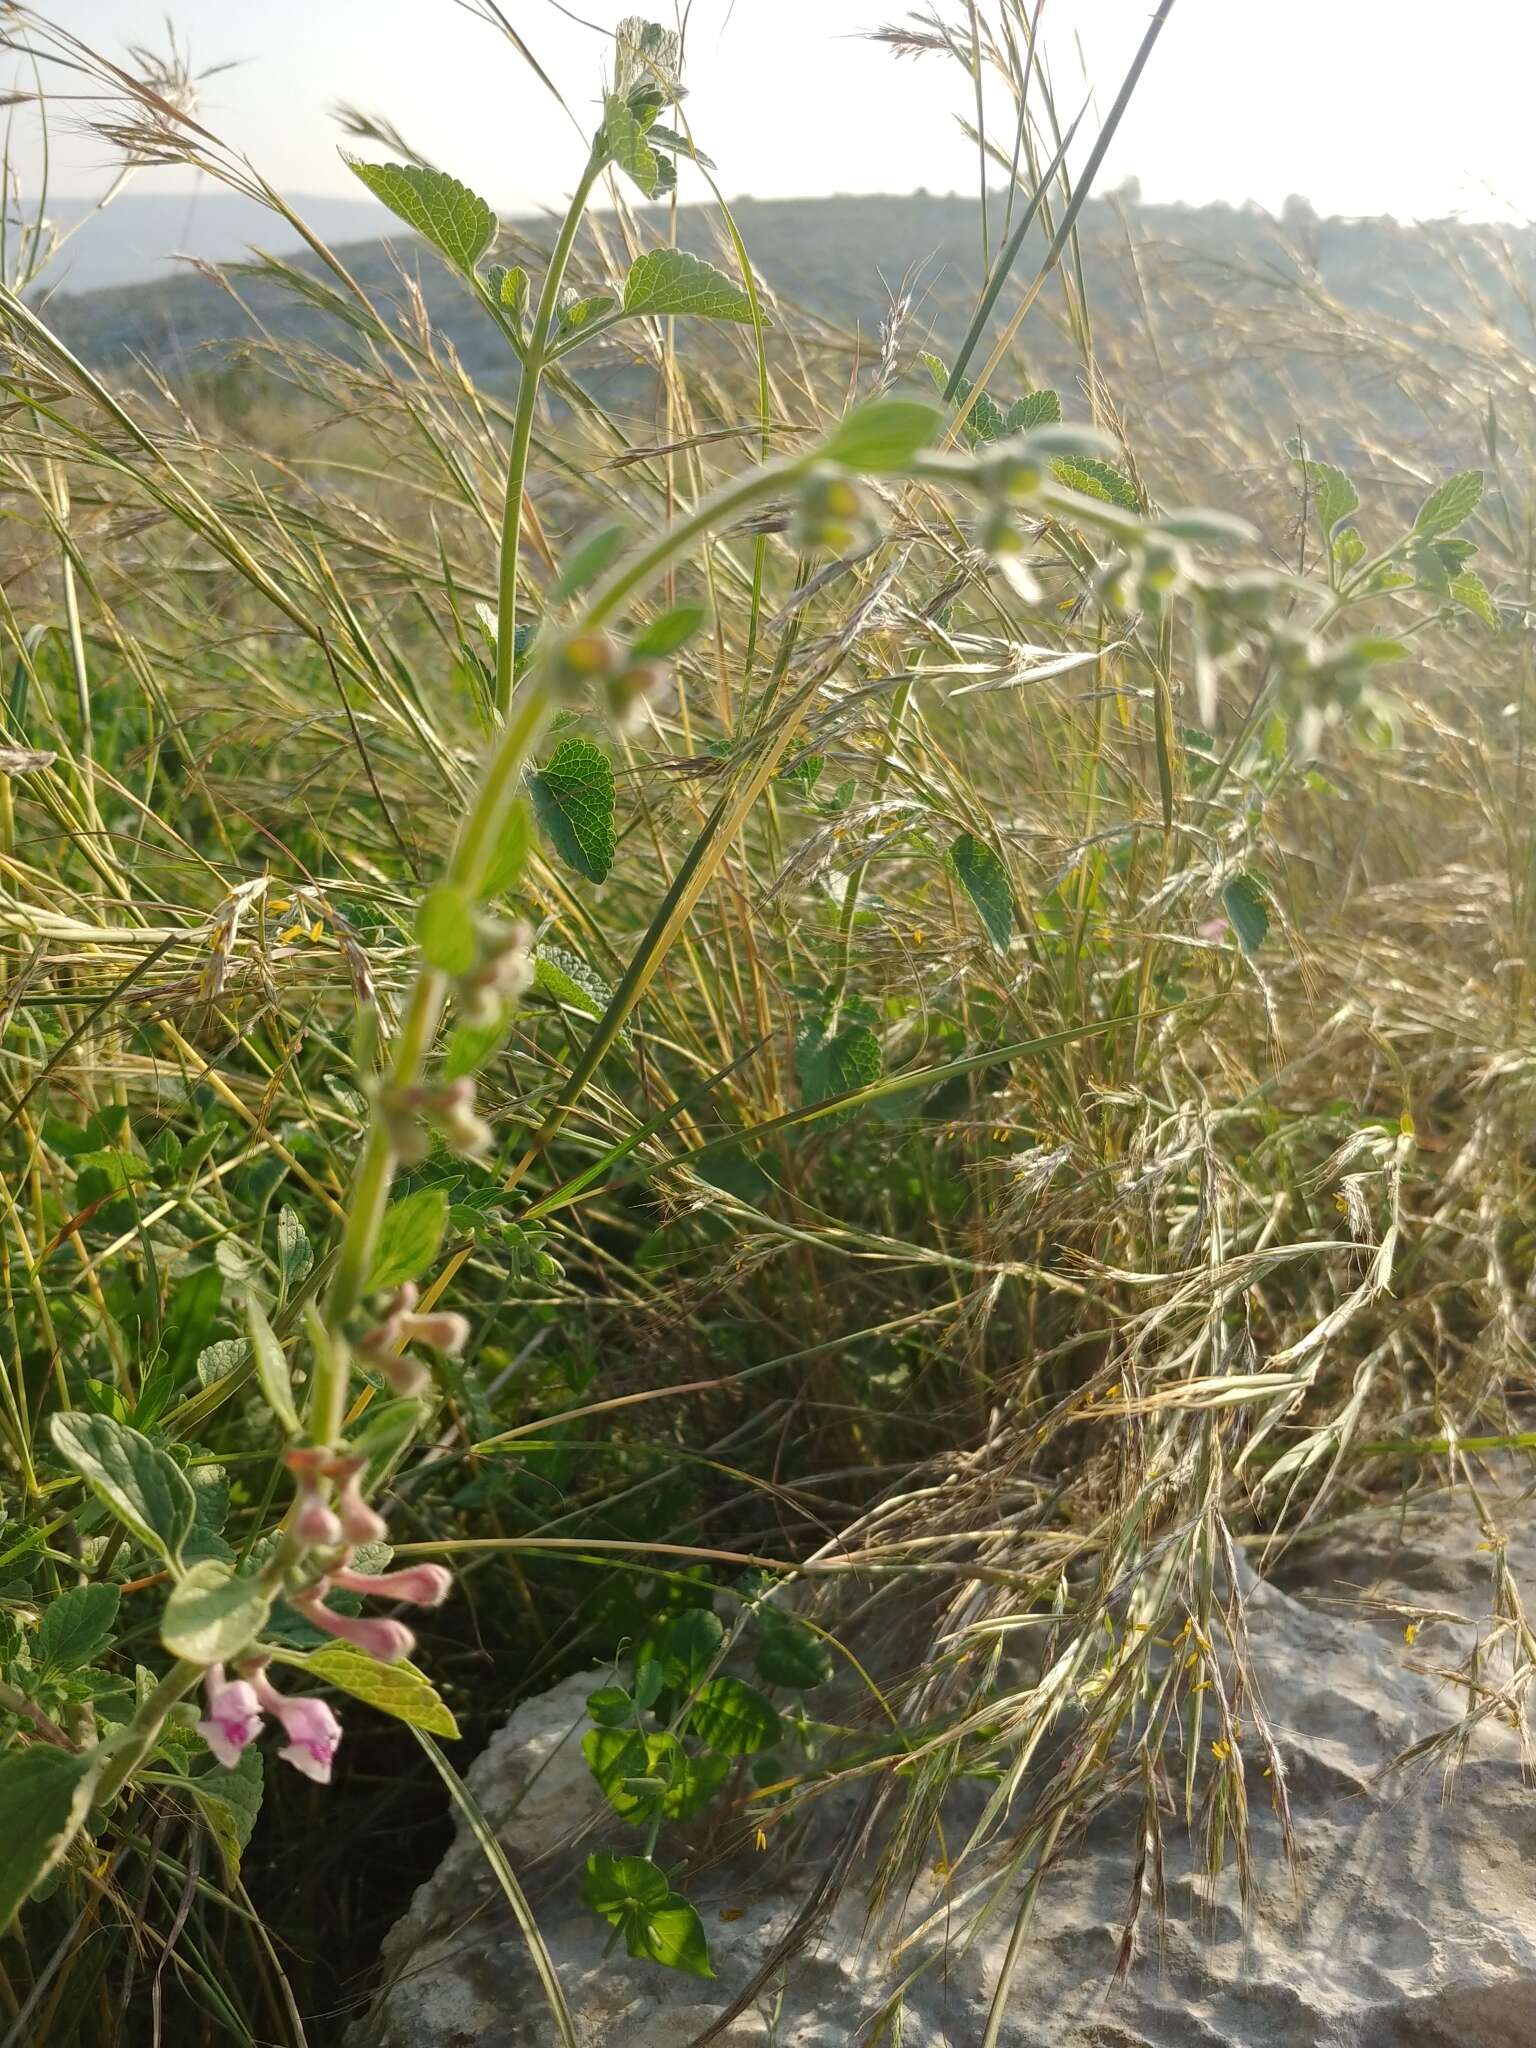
{"x": 142, "y": 236}
{"x": 1165, "y": 287}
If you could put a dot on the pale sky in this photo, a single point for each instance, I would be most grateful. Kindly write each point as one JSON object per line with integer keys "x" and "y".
{"x": 1412, "y": 107}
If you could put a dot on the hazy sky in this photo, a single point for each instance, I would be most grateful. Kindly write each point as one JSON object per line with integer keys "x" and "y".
{"x": 1412, "y": 107}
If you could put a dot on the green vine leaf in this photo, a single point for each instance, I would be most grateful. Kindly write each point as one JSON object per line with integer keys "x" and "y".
{"x": 1244, "y": 903}
{"x": 672, "y": 281}
{"x": 574, "y": 802}
{"x": 454, "y": 219}
{"x": 658, "y": 1924}
{"x": 733, "y": 1718}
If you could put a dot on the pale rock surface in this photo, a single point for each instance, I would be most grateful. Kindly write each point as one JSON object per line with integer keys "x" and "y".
{"x": 1412, "y": 1923}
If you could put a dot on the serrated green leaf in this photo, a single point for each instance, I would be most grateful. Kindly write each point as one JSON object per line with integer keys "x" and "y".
{"x": 230, "y": 1801}
{"x": 211, "y": 1615}
{"x": 985, "y": 880}
{"x": 646, "y": 63}
{"x": 672, "y": 281}
{"x": 792, "y": 1656}
{"x": 272, "y": 1374}
{"x": 409, "y": 1237}
{"x": 733, "y": 1718}
{"x": 616, "y": 1885}
{"x": 509, "y": 287}
{"x": 567, "y": 979}
{"x": 851, "y": 1058}
{"x": 1244, "y": 902}
{"x": 622, "y": 141}
{"x": 985, "y": 421}
{"x": 1332, "y": 494}
{"x": 401, "y": 1690}
{"x": 1092, "y": 477}
{"x": 1035, "y": 409}
{"x": 882, "y": 435}
{"x": 445, "y": 929}
{"x": 137, "y": 1481}
{"x": 574, "y": 803}
{"x": 1449, "y": 504}
{"x": 576, "y": 314}
{"x": 1471, "y": 593}
{"x": 45, "y": 1794}
{"x": 456, "y": 220}
{"x": 76, "y": 1627}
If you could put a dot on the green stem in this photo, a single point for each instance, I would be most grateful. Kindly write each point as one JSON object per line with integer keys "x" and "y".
{"x": 535, "y": 357}
{"x": 143, "y": 1730}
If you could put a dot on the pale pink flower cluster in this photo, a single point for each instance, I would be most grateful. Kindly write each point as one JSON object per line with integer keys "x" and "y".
{"x": 236, "y": 1706}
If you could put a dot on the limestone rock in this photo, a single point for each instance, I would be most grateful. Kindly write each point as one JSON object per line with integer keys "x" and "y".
{"x": 1411, "y": 1923}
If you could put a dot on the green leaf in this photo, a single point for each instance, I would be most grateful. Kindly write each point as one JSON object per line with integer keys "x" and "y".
{"x": 76, "y": 1627}
{"x": 445, "y": 929}
{"x": 401, "y": 1690}
{"x": 452, "y": 217}
{"x": 1245, "y": 906}
{"x": 272, "y": 1374}
{"x": 138, "y": 1482}
{"x": 622, "y": 140}
{"x": 212, "y": 1616}
{"x": 568, "y": 980}
{"x": 646, "y": 61}
{"x": 985, "y": 421}
{"x": 575, "y": 314}
{"x": 1449, "y": 504}
{"x": 882, "y": 435}
{"x": 295, "y": 1254}
{"x": 505, "y": 868}
{"x": 733, "y": 1717}
{"x": 509, "y": 287}
{"x": 45, "y": 1794}
{"x": 616, "y": 1885}
{"x": 1094, "y": 478}
{"x": 588, "y": 558}
{"x": 658, "y": 1925}
{"x": 985, "y": 880}
{"x": 229, "y": 1802}
{"x": 792, "y": 1656}
{"x": 190, "y": 1317}
{"x": 471, "y": 1045}
{"x": 412, "y": 1231}
{"x": 573, "y": 801}
{"x": 667, "y": 632}
{"x": 671, "y": 1934}
{"x": 851, "y": 1059}
{"x": 1333, "y": 496}
{"x": 688, "y": 1645}
{"x": 672, "y": 281}
{"x": 1471, "y": 593}
{"x": 1036, "y": 409}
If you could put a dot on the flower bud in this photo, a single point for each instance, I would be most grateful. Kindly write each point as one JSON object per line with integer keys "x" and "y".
{"x": 359, "y": 1522}
{"x": 831, "y": 513}
{"x": 422, "y": 1585}
{"x": 387, "y": 1641}
{"x": 580, "y": 659}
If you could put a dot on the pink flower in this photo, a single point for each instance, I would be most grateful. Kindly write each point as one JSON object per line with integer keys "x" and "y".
{"x": 423, "y": 1585}
{"x": 313, "y": 1731}
{"x": 233, "y": 1718}
{"x": 359, "y": 1522}
{"x": 388, "y": 1641}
